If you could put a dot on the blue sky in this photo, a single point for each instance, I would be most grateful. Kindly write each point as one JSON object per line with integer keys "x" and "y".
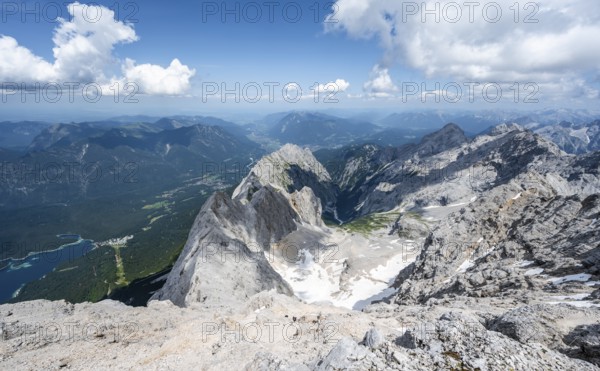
{"x": 373, "y": 54}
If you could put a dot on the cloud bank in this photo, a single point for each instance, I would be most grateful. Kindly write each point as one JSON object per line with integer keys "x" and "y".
{"x": 545, "y": 43}
{"x": 83, "y": 52}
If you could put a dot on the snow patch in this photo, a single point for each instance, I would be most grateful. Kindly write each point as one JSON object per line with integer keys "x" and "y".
{"x": 581, "y": 277}
{"x": 570, "y": 297}
{"x": 523, "y": 263}
{"x": 465, "y": 266}
{"x": 580, "y": 304}
{"x": 534, "y": 271}
{"x": 385, "y": 187}
{"x": 316, "y": 281}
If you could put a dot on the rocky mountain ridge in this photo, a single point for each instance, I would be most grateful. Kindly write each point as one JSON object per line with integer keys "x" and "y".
{"x": 574, "y": 138}
{"x": 506, "y": 276}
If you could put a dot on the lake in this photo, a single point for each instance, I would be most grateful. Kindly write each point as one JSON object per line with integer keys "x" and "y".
{"x": 18, "y": 272}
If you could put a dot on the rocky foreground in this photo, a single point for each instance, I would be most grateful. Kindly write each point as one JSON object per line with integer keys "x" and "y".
{"x": 277, "y": 332}
{"x": 506, "y": 274}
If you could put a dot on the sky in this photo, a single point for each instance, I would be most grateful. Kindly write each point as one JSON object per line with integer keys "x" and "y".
{"x": 82, "y": 60}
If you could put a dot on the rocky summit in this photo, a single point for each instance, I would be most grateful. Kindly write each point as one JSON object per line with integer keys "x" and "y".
{"x": 453, "y": 253}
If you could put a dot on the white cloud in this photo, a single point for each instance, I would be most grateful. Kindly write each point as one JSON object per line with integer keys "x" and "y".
{"x": 83, "y": 52}
{"x": 563, "y": 44}
{"x": 380, "y": 84}
{"x": 339, "y": 85}
{"x": 83, "y": 45}
{"x": 153, "y": 79}
{"x": 18, "y": 64}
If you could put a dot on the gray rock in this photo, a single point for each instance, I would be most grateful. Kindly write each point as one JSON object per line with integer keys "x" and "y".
{"x": 223, "y": 260}
{"x": 346, "y": 355}
{"x": 570, "y": 330}
{"x": 373, "y": 339}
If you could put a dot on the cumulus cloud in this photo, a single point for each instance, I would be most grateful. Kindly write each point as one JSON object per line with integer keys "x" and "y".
{"x": 153, "y": 79}
{"x": 83, "y": 52}
{"x": 339, "y": 85}
{"x": 19, "y": 64}
{"x": 563, "y": 42}
{"x": 380, "y": 83}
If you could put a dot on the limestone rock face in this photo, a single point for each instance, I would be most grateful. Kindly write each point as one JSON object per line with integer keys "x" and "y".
{"x": 519, "y": 239}
{"x": 579, "y": 337}
{"x": 308, "y": 206}
{"x": 289, "y": 169}
{"x": 225, "y": 259}
{"x": 573, "y": 138}
{"x": 450, "y": 136}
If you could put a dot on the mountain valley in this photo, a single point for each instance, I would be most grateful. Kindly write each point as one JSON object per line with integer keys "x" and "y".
{"x": 452, "y": 252}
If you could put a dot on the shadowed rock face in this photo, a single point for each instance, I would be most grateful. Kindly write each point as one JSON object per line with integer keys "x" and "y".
{"x": 450, "y": 136}
{"x": 443, "y": 168}
{"x": 574, "y": 138}
{"x": 289, "y": 169}
{"x": 224, "y": 260}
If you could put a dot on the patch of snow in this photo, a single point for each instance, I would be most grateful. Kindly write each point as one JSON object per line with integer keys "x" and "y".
{"x": 572, "y": 297}
{"x": 592, "y": 283}
{"x": 359, "y": 206}
{"x": 517, "y": 196}
{"x": 523, "y": 263}
{"x": 458, "y": 204}
{"x": 465, "y": 266}
{"x": 581, "y": 277}
{"x": 316, "y": 281}
{"x": 310, "y": 281}
{"x": 390, "y": 269}
{"x": 534, "y": 271}
{"x": 385, "y": 187}
{"x": 580, "y": 304}
{"x": 161, "y": 278}
{"x": 581, "y": 134}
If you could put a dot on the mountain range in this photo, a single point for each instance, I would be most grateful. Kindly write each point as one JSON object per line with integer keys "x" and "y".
{"x": 485, "y": 213}
{"x": 456, "y": 251}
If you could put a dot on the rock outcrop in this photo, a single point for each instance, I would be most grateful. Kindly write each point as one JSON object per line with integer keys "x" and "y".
{"x": 225, "y": 260}
{"x": 276, "y": 332}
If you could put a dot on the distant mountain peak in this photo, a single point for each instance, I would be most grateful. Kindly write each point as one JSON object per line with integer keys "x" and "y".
{"x": 275, "y": 169}
{"x": 506, "y": 128}
{"x": 450, "y": 136}
{"x": 318, "y": 129}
